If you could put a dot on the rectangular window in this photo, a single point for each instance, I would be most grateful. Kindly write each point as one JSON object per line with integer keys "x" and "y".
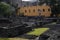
{"x": 48, "y": 9}
{"x": 25, "y": 11}
{"x": 43, "y": 10}
{"x": 34, "y": 10}
{"x": 29, "y": 11}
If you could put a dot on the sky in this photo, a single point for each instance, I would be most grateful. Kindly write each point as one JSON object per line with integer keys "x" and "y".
{"x": 30, "y": 0}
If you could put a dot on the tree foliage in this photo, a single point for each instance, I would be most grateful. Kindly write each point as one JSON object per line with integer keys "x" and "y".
{"x": 4, "y": 9}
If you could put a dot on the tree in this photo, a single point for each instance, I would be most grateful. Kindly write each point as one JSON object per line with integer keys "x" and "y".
{"x": 5, "y": 9}
{"x": 54, "y": 8}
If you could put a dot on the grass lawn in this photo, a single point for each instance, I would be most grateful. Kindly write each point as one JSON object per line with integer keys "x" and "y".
{"x": 38, "y": 31}
{"x": 4, "y": 38}
{"x": 17, "y": 39}
{"x": 12, "y": 39}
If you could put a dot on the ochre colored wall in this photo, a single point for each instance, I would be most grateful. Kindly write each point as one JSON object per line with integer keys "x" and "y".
{"x": 36, "y": 13}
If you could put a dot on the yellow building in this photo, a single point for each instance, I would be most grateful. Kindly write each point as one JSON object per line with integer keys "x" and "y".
{"x": 35, "y": 11}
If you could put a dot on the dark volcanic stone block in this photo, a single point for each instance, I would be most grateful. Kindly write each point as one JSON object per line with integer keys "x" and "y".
{"x": 15, "y": 31}
{"x": 10, "y": 28}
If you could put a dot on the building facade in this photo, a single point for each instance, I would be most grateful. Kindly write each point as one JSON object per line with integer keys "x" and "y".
{"x": 35, "y": 11}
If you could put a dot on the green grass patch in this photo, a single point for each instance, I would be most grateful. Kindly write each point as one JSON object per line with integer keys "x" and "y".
{"x": 4, "y": 38}
{"x": 38, "y": 31}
